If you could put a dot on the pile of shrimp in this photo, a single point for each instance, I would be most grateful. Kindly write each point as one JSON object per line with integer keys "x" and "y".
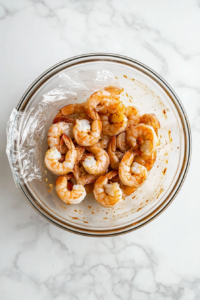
{"x": 101, "y": 146}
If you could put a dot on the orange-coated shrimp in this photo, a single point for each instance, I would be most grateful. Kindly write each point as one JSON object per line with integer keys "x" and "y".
{"x": 53, "y": 156}
{"x": 107, "y": 194}
{"x": 131, "y": 173}
{"x": 104, "y": 101}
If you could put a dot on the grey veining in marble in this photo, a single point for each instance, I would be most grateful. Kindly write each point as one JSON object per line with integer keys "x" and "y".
{"x": 160, "y": 261}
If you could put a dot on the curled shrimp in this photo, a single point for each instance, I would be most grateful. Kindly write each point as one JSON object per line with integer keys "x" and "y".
{"x": 151, "y": 120}
{"x": 143, "y": 137}
{"x": 55, "y": 133}
{"x": 146, "y": 160}
{"x": 113, "y": 124}
{"x": 132, "y": 115}
{"x": 103, "y": 141}
{"x": 75, "y": 109}
{"x": 131, "y": 173}
{"x": 53, "y": 156}
{"x": 103, "y": 101}
{"x": 97, "y": 164}
{"x": 107, "y": 194}
{"x": 75, "y": 196}
{"x": 115, "y": 156}
{"x": 85, "y": 136}
{"x": 121, "y": 142}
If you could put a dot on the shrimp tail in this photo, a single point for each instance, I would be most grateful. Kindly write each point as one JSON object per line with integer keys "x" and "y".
{"x": 68, "y": 141}
{"x": 80, "y": 152}
{"x": 112, "y": 174}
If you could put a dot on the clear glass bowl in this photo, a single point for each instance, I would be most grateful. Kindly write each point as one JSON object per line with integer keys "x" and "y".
{"x": 145, "y": 89}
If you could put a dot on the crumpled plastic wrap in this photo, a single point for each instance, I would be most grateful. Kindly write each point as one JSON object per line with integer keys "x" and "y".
{"x": 26, "y": 129}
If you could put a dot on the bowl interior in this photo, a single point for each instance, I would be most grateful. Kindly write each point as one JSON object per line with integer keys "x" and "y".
{"x": 150, "y": 95}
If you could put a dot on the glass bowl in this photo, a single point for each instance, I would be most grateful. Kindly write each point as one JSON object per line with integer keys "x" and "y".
{"x": 148, "y": 91}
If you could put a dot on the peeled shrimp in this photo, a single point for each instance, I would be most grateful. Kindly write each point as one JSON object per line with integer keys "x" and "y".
{"x": 75, "y": 109}
{"x": 115, "y": 156}
{"x": 121, "y": 142}
{"x": 75, "y": 196}
{"x": 54, "y": 135}
{"x": 83, "y": 135}
{"x": 107, "y": 194}
{"x": 132, "y": 115}
{"x": 97, "y": 164}
{"x": 131, "y": 173}
{"x": 145, "y": 160}
{"x": 104, "y": 101}
{"x": 53, "y": 156}
{"x": 151, "y": 120}
{"x": 103, "y": 141}
{"x": 113, "y": 124}
{"x": 143, "y": 137}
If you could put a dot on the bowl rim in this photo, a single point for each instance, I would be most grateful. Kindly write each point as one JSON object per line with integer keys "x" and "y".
{"x": 108, "y": 57}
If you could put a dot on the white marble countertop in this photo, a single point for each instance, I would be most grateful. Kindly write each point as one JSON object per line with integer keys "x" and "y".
{"x": 159, "y": 261}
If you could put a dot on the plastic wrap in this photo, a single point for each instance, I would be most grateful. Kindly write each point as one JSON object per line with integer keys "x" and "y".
{"x": 26, "y": 129}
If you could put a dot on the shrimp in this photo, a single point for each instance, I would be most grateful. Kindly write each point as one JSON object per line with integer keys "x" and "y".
{"x": 97, "y": 164}
{"x": 115, "y": 156}
{"x": 132, "y": 115}
{"x": 53, "y": 156}
{"x": 113, "y": 124}
{"x": 83, "y": 135}
{"x": 107, "y": 194}
{"x": 55, "y": 132}
{"x": 104, "y": 101}
{"x": 75, "y": 109}
{"x": 121, "y": 142}
{"x": 131, "y": 173}
{"x": 75, "y": 196}
{"x": 103, "y": 142}
{"x": 143, "y": 137}
{"x": 60, "y": 118}
{"x": 145, "y": 160}
{"x": 126, "y": 190}
{"x": 82, "y": 177}
{"x": 151, "y": 120}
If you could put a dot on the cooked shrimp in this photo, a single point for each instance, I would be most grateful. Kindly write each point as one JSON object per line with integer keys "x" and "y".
{"x": 151, "y": 120}
{"x": 82, "y": 177}
{"x": 103, "y": 101}
{"x": 97, "y": 164}
{"x": 75, "y": 196}
{"x": 74, "y": 109}
{"x": 145, "y": 160}
{"x": 108, "y": 195}
{"x": 115, "y": 156}
{"x": 113, "y": 124}
{"x": 143, "y": 137}
{"x": 60, "y": 118}
{"x": 54, "y": 135}
{"x": 83, "y": 135}
{"x": 131, "y": 173}
{"x": 103, "y": 142}
{"x": 121, "y": 142}
{"x": 53, "y": 156}
{"x": 132, "y": 115}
